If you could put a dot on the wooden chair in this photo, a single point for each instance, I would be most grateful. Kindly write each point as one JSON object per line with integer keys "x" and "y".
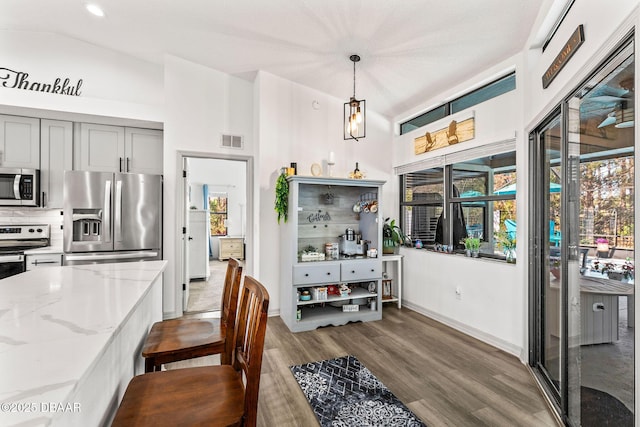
{"x": 207, "y": 395}
{"x": 180, "y": 339}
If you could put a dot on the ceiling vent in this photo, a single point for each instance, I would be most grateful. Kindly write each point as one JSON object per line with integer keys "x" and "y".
{"x": 232, "y": 141}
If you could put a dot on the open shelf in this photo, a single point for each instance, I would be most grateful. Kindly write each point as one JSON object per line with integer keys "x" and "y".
{"x": 356, "y": 293}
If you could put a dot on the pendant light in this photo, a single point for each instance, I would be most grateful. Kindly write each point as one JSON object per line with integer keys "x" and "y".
{"x": 354, "y": 111}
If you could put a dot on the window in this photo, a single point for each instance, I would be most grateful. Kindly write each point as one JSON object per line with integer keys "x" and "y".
{"x": 218, "y": 214}
{"x": 484, "y": 93}
{"x": 479, "y": 202}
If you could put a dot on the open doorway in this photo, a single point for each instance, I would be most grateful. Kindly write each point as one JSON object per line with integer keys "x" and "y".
{"x": 216, "y": 204}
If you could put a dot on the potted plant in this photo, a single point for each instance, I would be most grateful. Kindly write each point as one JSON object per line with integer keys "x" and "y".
{"x": 282, "y": 196}
{"x": 507, "y": 241}
{"x": 392, "y": 236}
{"x": 602, "y": 245}
{"x": 467, "y": 246}
{"x": 474, "y": 244}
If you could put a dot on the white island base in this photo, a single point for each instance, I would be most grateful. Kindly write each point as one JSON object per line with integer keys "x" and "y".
{"x": 70, "y": 340}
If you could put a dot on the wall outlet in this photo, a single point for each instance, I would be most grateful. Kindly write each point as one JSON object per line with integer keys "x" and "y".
{"x": 458, "y": 292}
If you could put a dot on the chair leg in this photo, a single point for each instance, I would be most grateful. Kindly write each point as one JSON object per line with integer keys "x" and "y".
{"x": 149, "y": 364}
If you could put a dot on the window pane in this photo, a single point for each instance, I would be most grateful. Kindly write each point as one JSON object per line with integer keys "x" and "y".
{"x": 494, "y": 223}
{"x": 217, "y": 224}
{"x": 218, "y": 204}
{"x": 496, "y": 173}
{"x": 423, "y": 119}
{"x": 485, "y": 93}
{"x": 424, "y": 191}
{"x": 425, "y": 186}
{"x": 420, "y": 222}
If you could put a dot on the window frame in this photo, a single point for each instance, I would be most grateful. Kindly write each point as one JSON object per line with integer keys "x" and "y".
{"x": 224, "y": 215}
{"x": 449, "y": 106}
{"x": 448, "y": 201}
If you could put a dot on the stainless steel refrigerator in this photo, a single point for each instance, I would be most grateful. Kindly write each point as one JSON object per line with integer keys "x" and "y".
{"x": 111, "y": 217}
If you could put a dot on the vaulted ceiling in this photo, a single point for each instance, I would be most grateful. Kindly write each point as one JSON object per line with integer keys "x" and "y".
{"x": 410, "y": 49}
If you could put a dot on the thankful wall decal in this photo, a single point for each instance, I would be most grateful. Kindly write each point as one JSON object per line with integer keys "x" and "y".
{"x": 20, "y": 80}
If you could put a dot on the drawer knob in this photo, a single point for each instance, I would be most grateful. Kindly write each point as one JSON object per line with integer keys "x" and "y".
{"x": 353, "y": 272}
{"x": 328, "y": 273}
{"x": 306, "y": 274}
{"x": 372, "y": 270}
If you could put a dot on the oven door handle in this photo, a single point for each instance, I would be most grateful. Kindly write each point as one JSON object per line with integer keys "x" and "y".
{"x": 16, "y": 186}
{"x": 11, "y": 258}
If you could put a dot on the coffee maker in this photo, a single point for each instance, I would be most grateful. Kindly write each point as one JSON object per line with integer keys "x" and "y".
{"x": 351, "y": 243}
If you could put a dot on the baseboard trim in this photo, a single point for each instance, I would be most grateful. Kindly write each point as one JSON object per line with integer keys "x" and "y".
{"x": 466, "y": 329}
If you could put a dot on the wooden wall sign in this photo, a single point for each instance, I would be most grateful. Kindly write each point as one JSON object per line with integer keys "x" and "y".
{"x": 20, "y": 80}
{"x": 570, "y": 47}
{"x": 453, "y": 134}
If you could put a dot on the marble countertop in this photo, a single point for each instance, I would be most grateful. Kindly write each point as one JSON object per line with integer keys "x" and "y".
{"x": 54, "y": 323}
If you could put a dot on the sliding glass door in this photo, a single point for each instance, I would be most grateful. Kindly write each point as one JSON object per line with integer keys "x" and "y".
{"x": 582, "y": 248}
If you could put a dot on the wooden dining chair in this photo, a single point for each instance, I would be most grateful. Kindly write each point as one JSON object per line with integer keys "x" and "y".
{"x": 220, "y": 395}
{"x": 181, "y": 339}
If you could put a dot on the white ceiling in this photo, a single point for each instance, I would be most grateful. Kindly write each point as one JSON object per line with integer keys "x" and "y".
{"x": 411, "y": 49}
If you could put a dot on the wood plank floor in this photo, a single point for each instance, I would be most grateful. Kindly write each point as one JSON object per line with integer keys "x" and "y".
{"x": 445, "y": 377}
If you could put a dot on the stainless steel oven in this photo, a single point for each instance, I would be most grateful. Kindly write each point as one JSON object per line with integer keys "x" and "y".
{"x": 14, "y": 240}
{"x": 11, "y": 264}
{"x": 19, "y": 187}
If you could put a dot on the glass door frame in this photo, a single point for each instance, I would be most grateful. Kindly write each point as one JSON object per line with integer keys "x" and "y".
{"x": 538, "y": 226}
{"x": 538, "y": 223}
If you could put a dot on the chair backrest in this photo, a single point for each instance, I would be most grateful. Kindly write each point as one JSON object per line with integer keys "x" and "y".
{"x": 229, "y": 307}
{"x": 251, "y": 328}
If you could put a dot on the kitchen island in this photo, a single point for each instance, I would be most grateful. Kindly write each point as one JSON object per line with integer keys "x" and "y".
{"x": 70, "y": 340}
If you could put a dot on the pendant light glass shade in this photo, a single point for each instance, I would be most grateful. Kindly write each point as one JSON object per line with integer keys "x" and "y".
{"x": 354, "y": 111}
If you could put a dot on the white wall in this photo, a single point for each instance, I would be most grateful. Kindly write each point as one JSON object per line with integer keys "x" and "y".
{"x": 289, "y": 130}
{"x": 600, "y": 24}
{"x": 201, "y": 105}
{"x": 493, "y": 306}
{"x": 114, "y": 84}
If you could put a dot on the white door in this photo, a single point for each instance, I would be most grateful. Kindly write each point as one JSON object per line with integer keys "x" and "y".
{"x": 185, "y": 233}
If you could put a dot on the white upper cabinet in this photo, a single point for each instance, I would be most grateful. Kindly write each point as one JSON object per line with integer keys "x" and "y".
{"x": 107, "y": 148}
{"x": 56, "y": 156}
{"x": 101, "y": 148}
{"x": 143, "y": 151}
{"x": 19, "y": 142}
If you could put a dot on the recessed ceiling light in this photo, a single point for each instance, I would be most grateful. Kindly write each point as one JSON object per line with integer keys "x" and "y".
{"x": 94, "y": 9}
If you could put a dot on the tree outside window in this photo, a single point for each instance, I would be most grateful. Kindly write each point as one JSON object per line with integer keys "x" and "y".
{"x": 218, "y": 214}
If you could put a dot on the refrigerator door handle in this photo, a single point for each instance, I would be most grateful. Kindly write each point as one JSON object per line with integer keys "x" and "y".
{"x": 107, "y": 212}
{"x": 110, "y": 256}
{"x": 118, "y": 212}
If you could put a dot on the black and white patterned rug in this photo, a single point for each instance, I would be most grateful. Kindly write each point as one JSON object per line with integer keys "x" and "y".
{"x": 343, "y": 392}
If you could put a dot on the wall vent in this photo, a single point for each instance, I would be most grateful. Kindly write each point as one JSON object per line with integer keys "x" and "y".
{"x": 232, "y": 141}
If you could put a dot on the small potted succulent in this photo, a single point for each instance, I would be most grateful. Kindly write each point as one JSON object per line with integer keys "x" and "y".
{"x": 472, "y": 246}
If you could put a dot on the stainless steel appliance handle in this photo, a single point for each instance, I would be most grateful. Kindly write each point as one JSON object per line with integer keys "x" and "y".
{"x": 118, "y": 212}
{"x": 110, "y": 256}
{"x": 36, "y": 262}
{"x": 107, "y": 212}
{"x": 11, "y": 258}
{"x": 16, "y": 186}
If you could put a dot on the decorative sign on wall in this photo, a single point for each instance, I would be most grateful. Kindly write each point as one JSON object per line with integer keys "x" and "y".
{"x": 20, "y": 80}
{"x": 453, "y": 134}
{"x": 570, "y": 47}
{"x": 319, "y": 216}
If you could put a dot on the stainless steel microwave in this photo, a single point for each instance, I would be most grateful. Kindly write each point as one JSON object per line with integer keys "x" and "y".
{"x": 19, "y": 187}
